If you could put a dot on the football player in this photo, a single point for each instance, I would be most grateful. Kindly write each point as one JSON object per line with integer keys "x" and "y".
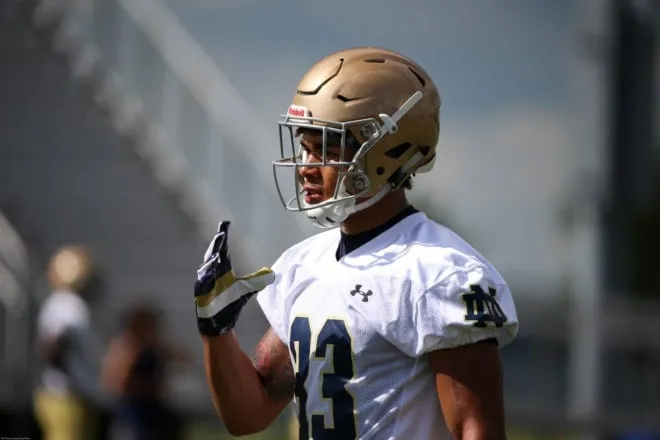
{"x": 385, "y": 326}
{"x": 68, "y": 396}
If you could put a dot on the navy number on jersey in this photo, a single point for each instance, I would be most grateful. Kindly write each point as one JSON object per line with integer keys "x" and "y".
{"x": 334, "y": 343}
{"x": 482, "y": 308}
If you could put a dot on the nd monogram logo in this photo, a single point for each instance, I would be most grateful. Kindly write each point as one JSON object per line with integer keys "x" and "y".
{"x": 482, "y": 308}
{"x": 358, "y": 291}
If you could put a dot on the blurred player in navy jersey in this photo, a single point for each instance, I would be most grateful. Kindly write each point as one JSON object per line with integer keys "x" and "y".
{"x": 134, "y": 372}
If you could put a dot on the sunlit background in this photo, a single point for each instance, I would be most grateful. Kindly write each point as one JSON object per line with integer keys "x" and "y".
{"x": 134, "y": 126}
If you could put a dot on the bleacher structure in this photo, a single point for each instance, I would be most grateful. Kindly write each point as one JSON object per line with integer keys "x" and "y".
{"x": 87, "y": 158}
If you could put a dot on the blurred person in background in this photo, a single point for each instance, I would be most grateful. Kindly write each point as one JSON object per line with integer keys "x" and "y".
{"x": 68, "y": 396}
{"x": 386, "y": 322}
{"x": 134, "y": 372}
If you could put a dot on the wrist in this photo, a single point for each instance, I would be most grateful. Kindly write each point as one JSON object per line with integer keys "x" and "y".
{"x": 223, "y": 321}
{"x": 219, "y": 337}
{"x": 207, "y": 327}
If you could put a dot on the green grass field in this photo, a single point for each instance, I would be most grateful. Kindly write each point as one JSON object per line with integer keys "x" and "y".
{"x": 213, "y": 430}
{"x": 209, "y": 429}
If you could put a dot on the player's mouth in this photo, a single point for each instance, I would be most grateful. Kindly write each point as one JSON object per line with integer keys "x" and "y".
{"x": 313, "y": 194}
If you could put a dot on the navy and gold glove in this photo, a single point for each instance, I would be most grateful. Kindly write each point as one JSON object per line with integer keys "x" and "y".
{"x": 219, "y": 294}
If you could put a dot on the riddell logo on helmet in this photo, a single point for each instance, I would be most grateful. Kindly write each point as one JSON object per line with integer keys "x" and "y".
{"x": 298, "y": 111}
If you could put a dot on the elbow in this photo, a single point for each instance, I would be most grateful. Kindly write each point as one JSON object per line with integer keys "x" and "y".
{"x": 242, "y": 423}
{"x": 242, "y": 428}
{"x": 477, "y": 432}
{"x": 239, "y": 432}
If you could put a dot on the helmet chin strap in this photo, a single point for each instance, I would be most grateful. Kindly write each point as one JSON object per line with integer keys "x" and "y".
{"x": 331, "y": 215}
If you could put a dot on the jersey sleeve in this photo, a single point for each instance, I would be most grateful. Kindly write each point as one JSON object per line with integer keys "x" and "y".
{"x": 272, "y": 300}
{"x": 464, "y": 308}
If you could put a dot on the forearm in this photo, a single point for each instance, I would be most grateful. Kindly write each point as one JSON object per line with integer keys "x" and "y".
{"x": 116, "y": 369}
{"x": 237, "y": 391}
{"x": 477, "y": 422}
{"x": 240, "y": 390}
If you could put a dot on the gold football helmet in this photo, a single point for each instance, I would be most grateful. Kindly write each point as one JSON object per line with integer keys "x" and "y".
{"x": 379, "y": 103}
{"x": 71, "y": 268}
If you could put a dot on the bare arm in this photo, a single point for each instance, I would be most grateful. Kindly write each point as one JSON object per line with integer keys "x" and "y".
{"x": 116, "y": 366}
{"x": 469, "y": 384}
{"x": 248, "y": 394}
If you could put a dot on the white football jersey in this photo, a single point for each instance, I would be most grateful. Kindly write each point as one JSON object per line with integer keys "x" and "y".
{"x": 358, "y": 329}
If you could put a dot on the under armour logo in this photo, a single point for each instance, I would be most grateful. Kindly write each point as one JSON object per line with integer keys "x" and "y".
{"x": 358, "y": 291}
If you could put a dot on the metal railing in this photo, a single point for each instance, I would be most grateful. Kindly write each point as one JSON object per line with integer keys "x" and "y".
{"x": 203, "y": 140}
{"x": 14, "y": 314}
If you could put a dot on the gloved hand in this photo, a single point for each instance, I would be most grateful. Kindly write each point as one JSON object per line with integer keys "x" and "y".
{"x": 219, "y": 294}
